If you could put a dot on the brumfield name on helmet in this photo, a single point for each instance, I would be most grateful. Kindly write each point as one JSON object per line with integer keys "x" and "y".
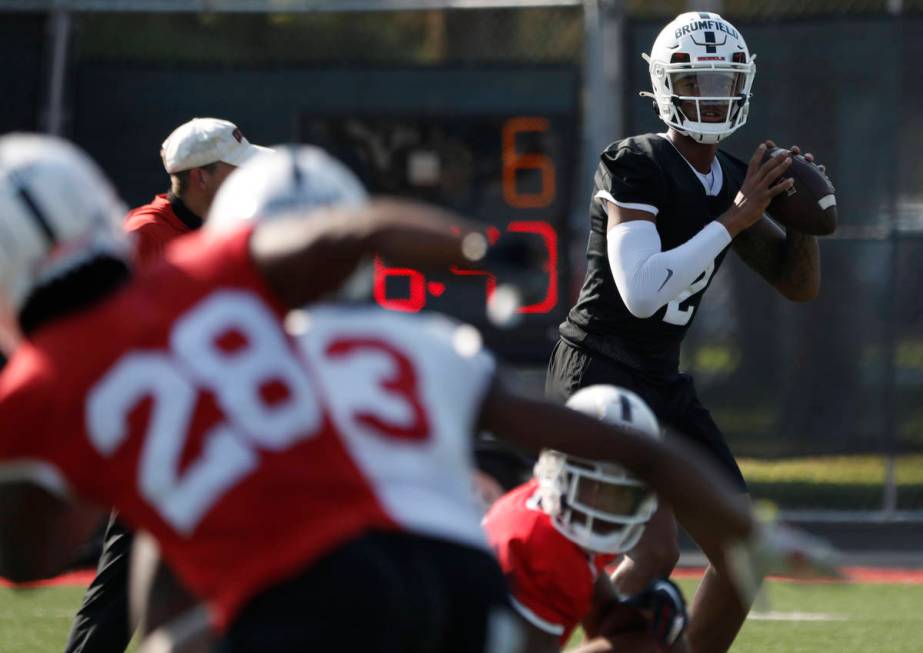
{"x": 713, "y": 22}
{"x": 599, "y": 506}
{"x": 701, "y": 75}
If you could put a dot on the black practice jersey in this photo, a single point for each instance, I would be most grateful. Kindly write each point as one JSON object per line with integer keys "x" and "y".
{"x": 646, "y": 170}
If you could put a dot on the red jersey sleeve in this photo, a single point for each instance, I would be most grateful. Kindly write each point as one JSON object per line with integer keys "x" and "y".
{"x": 550, "y": 578}
{"x": 25, "y": 407}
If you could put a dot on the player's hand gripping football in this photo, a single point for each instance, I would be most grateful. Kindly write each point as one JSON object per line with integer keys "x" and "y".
{"x": 761, "y": 184}
{"x": 809, "y": 157}
{"x": 779, "y": 550}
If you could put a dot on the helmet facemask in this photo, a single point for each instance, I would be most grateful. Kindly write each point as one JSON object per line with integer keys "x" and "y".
{"x": 701, "y": 86}
{"x": 598, "y": 506}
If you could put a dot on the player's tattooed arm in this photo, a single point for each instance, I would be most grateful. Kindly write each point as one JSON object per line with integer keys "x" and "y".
{"x": 787, "y": 260}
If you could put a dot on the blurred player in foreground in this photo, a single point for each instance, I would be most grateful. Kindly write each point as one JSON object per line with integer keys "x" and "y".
{"x": 273, "y": 474}
{"x": 198, "y": 155}
{"x": 555, "y": 534}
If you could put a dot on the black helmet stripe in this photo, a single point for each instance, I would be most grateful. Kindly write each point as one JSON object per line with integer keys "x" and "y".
{"x": 34, "y": 210}
{"x": 297, "y": 176}
{"x": 626, "y": 408}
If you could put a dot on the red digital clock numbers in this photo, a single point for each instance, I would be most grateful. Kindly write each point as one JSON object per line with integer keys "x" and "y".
{"x": 419, "y": 289}
{"x": 517, "y": 164}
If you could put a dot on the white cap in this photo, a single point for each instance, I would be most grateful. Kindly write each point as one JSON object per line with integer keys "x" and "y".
{"x": 203, "y": 141}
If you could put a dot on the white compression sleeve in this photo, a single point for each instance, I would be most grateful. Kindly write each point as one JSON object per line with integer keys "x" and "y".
{"x": 648, "y": 278}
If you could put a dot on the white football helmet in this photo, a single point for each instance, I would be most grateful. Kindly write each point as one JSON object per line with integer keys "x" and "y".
{"x": 701, "y": 73}
{"x": 57, "y": 211}
{"x": 288, "y": 179}
{"x": 599, "y": 505}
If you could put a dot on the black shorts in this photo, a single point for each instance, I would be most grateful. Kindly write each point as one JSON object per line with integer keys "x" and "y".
{"x": 383, "y": 592}
{"x": 672, "y": 397}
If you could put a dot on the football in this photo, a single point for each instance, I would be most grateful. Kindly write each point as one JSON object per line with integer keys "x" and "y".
{"x": 810, "y": 205}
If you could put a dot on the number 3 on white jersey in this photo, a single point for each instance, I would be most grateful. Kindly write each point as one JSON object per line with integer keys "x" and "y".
{"x": 681, "y": 316}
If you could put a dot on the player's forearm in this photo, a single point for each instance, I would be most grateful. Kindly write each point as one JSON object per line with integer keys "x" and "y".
{"x": 788, "y": 260}
{"x": 423, "y": 236}
{"x": 648, "y": 278}
{"x": 306, "y": 257}
{"x": 799, "y": 268}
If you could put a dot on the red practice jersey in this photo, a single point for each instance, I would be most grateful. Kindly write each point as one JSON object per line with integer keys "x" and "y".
{"x": 154, "y": 225}
{"x": 551, "y": 579}
{"x": 246, "y": 451}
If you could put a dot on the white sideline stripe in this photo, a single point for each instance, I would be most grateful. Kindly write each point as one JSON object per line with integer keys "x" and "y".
{"x": 35, "y": 471}
{"x": 827, "y": 201}
{"x": 535, "y": 620}
{"x": 796, "y": 616}
{"x": 606, "y": 195}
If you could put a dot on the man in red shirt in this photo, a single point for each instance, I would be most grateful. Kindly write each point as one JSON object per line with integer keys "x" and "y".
{"x": 198, "y": 156}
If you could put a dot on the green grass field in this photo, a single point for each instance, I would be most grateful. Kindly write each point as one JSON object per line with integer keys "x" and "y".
{"x": 869, "y": 618}
{"x": 37, "y": 620}
{"x": 865, "y": 618}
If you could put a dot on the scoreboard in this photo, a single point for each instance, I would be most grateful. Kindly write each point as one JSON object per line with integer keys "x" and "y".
{"x": 499, "y": 148}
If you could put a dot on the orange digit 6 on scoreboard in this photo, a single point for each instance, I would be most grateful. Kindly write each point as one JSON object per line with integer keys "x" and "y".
{"x": 514, "y": 161}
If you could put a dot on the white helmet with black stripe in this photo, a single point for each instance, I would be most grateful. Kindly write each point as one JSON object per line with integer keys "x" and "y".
{"x": 57, "y": 211}
{"x": 701, "y": 73}
{"x": 285, "y": 181}
{"x": 599, "y": 505}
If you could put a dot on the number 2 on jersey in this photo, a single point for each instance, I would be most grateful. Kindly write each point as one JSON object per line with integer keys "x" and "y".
{"x": 681, "y": 316}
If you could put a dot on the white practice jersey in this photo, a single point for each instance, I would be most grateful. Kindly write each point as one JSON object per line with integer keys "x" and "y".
{"x": 420, "y": 379}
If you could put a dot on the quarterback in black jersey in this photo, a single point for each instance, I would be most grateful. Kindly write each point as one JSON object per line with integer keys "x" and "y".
{"x": 665, "y": 209}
